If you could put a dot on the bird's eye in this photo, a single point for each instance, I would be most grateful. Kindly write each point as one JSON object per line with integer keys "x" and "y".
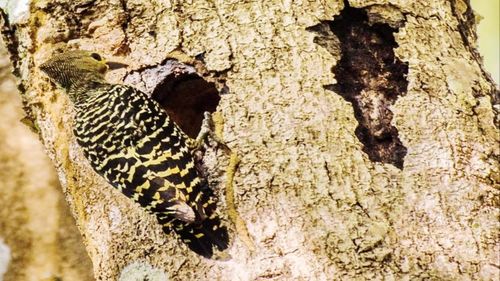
{"x": 95, "y": 56}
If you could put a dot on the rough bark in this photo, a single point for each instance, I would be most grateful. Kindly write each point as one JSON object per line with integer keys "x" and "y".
{"x": 324, "y": 185}
{"x": 38, "y": 236}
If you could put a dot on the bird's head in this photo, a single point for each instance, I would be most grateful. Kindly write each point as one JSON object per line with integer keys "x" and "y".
{"x": 78, "y": 68}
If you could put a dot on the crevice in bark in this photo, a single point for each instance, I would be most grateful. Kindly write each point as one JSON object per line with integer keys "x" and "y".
{"x": 185, "y": 96}
{"x": 11, "y": 42}
{"x": 125, "y": 49}
{"x": 370, "y": 77}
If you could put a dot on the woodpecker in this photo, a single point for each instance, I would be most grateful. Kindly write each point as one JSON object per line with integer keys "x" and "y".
{"x": 131, "y": 142}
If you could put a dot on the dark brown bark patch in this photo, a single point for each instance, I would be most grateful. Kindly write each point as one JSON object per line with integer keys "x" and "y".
{"x": 371, "y": 78}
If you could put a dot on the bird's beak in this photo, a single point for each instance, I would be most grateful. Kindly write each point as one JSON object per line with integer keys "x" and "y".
{"x": 112, "y": 65}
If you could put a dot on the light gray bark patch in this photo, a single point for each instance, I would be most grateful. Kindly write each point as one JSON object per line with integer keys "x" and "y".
{"x": 140, "y": 271}
{"x": 4, "y": 258}
{"x": 370, "y": 77}
{"x": 18, "y": 10}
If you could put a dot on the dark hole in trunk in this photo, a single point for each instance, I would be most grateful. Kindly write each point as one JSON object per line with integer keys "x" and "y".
{"x": 370, "y": 77}
{"x": 186, "y": 96}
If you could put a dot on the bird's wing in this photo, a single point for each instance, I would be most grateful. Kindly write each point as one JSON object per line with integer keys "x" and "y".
{"x": 132, "y": 177}
{"x": 160, "y": 145}
{"x": 162, "y": 197}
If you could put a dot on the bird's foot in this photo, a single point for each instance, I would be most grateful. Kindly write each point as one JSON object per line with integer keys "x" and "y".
{"x": 209, "y": 128}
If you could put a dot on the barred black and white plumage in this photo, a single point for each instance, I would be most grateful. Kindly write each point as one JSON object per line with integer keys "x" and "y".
{"x": 135, "y": 146}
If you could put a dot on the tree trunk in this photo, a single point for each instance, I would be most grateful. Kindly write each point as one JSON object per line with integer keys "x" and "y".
{"x": 38, "y": 236}
{"x": 366, "y": 132}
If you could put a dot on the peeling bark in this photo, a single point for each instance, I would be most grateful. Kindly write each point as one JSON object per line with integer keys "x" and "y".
{"x": 315, "y": 204}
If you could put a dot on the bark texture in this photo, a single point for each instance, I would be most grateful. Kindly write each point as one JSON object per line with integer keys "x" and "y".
{"x": 38, "y": 236}
{"x": 317, "y": 205}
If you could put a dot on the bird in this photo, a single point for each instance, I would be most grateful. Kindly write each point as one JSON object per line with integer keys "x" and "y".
{"x": 136, "y": 147}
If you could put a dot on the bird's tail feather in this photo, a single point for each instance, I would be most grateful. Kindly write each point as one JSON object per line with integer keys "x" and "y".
{"x": 204, "y": 237}
{"x": 207, "y": 232}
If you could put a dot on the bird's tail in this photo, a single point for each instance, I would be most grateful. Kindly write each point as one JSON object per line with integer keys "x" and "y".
{"x": 204, "y": 237}
{"x": 206, "y": 233}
